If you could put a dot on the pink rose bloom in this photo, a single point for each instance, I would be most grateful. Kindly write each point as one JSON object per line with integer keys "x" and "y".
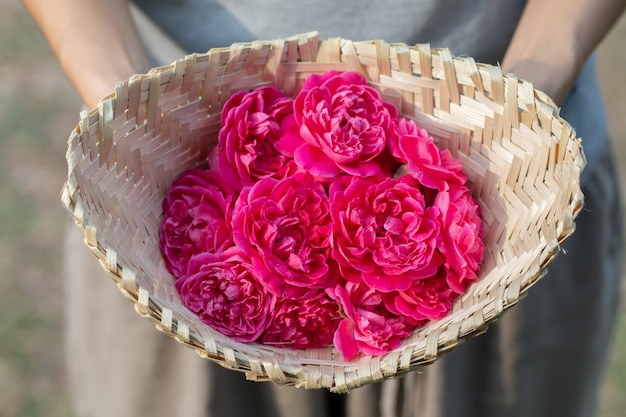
{"x": 461, "y": 236}
{"x": 285, "y": 227}
{"x": 369, "y": 327}
{"x": 343, "y": 126}
{"x": 251, "y": 123}
{"x": 300, "y": 324}
{"x": 223, "y": 292}
{"x": 432, "y": 167}
{"x": 196, "y": 218}
{"x": 383, "y": 233}
{"x": 426, "y": 299}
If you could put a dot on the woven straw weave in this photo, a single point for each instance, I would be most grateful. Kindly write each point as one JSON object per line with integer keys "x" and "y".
{"x": 522, "y": 160}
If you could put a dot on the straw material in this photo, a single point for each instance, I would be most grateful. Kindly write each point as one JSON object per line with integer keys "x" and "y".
{"x": 522, "y": 160}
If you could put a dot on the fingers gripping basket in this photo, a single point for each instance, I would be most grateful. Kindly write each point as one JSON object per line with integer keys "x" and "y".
{"x": 522, "y": 160}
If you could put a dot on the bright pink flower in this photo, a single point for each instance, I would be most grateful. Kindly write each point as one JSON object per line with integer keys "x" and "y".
{"x": 369, "y": 327}
{"x": 426, "y": 299}
{"x": 300, "y": 324}
{"x": 285, "y": 227}
{"x": 302, "y": 236}
{"x": 383, "y": 233}
{"x": 461, "y": 238}
{"x": 196, "y": 218}
{"x": 343, "y": 126}
{"x": 223, "y": 292}
{"x": 251, "y": 123}
{"x": 431, "y": 166}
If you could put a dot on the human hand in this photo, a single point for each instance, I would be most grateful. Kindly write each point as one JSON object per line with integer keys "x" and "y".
{"x": 95, "y": 41}
{"x": 554, "y": 39}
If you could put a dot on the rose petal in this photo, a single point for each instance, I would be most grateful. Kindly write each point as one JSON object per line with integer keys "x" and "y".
{"x": 344, "y": 339}
{"x": 290, "y": 139}
{"x": 387, "y": 283}
{"x": 312, "y": 159}
{"x": 362, "y": 169}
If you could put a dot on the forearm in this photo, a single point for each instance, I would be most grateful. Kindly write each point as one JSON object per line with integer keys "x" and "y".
{"x": 554, "y": 38}
{"x": 95, "y": 41}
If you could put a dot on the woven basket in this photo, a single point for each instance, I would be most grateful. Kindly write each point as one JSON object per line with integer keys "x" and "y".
{"x": 522, "y": 160}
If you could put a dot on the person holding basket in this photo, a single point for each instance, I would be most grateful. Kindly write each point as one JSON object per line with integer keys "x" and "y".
{"x": 545, "y": 357}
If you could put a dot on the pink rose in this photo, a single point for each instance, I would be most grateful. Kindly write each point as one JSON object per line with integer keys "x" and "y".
{"x": 461, "y": 239}
{"x": 426, "y": 299}
{"x": 343, "y": 126}
{"x": 383, "y": 233}
{"x": 369, "y": 327}
{"x": 223, "y": 292}
{"x": 285, "y": 227}
{"x": 300, "y": 324}
{"x": 431, "y": 166}
{"x": 251, "y": 123}
{"x": 196, "y": 218}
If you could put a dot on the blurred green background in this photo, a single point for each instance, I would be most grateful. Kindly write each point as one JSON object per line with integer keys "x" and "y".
{"x": 38, "y": 109}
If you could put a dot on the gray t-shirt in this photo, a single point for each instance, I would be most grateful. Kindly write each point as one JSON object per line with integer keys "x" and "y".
{"x": 481, "y": 29}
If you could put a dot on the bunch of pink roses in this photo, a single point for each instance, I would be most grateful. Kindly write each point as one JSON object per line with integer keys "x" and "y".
{"x": 300, "y": 234}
